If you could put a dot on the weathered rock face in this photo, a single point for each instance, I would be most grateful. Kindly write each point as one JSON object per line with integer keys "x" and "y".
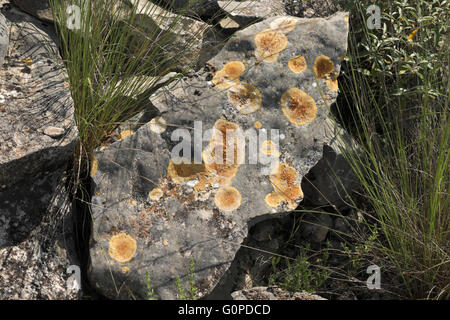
{"x": 196, "y": 8}
{"x": 37, "y": 127}
{"x": 153, "y": 212}
{"x": 273, "y": 293}
{"x": 4, "y": 39}
{"x": 37, "y": 135}
{"x": 332, "y": 179}
{"x": 246, "y": 12}
{"x": 37, "y": 239}
{"x": 38, "y": 8}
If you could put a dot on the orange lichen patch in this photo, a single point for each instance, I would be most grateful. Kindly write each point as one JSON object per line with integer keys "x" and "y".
{"x": 274, "y": 199}
{"x": 158, "y": 125}
{"x": 323, "y": 67}
{"x": 245, "y": 97}
{"x": 269, "y": 43}
{"x": 125, "y": 269}
{"x": 332, "y": 83}
{"x": 223, "y": 156}
{"x": 257, "y": 125}
{"x": 227, "y": 199}
{"x": 284, "y": 179}
{"x": 94, "y": 166}
{"x": 298, "y": 107}
{"x": 297, "y": 64}
{"x": 270, "y": 148}
{"x": 284, "y": 24}
{"x": 228, "y": 76}
{"x": 125, "y": 134}
{"x": 182, "y": 170}
{"x": 155, "y": 194}
{"x": 122, "y": 247}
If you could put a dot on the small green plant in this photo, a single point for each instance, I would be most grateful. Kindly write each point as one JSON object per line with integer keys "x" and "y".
{"x": 150, "y": 291}
{"x": 190, "y": 292}
{"x": 299, "y": 275}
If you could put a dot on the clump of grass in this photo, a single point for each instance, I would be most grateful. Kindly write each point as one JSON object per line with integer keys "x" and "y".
{"x": 395, "y": 90}
{"x": 298, "y": 275}
{"x": 114, "y": 61}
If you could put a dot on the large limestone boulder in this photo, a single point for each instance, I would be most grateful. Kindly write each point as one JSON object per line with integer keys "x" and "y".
{"x": 37, "y": 126}
{"x": 176, "y": 194}
{"x": 4, "y": 39}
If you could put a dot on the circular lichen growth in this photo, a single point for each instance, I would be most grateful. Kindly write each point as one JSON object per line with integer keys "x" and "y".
{"x": 297, "y": 64}
{"x": 182, "y": 170}
{"x": 269, "y": 148}
{"x": 125, "y": 134}
{"x": 323, "y": 67}
{"x": 269, "y": 43}
{"x": 299, "y": 107}
{"x": 94, "y": 166}
{"x": 155, "y": 194}
{"x": 228, "y": 76}
{"x": 332, "y": 84}
{"x": 284, "y": 24}
{"x": 274, "y": 199}
{"x": 227, "y": 199}
{"x": 122, "y": 247}
{"x": 257, "y": 124}
{"x": 225, "y": 152}
{"x": 286, "y": 186}
{"x": 158, "y": 125}
{"x": 245, "y": 97}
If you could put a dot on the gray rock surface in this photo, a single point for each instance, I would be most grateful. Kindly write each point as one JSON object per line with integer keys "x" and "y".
{"x": 195, "y": 8}
{"x": 38, "y": 8}
{"x": 36, "y": 97}
{"x": 4, "y": 39}
{"x": 36, "y": 239}
{"x": 246, "y": 12}
{"x": 153, "y": 215}
{"x": 273, "y": 293}
{"x": 332, "y": 179}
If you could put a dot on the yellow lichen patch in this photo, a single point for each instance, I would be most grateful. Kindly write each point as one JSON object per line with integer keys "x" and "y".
{"x": 165, "y": 242}
{"x": 133, "y": 202}
{"x": 257, "y": 125}
{"x": 182, "y": 170}
{"x": 298, "y": 107}
{"x": 125, "y": 269}
{"x": 284, "y": 179}
{"x": 155, "y": 194}
{"x": 227, "y": 199}
{"x": 158, "y": 125}
{"x": 228, "y": 76}
{"x": 332, "y": 83}
{"x": 270, "y": 148}
{"x": 323, "y": 67}
{"x": 224, "y": 154}
{"x": 125, "y": 134}
{"x": 245, "y": 97}
{"x": 274, "y": 199}
{"x": 297, "y": 64}
{"x": 122, "y": 247}
{"x": 284, "y": 24}
{"x": 94, "y": 166}
{"x": 269, "y": 43}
